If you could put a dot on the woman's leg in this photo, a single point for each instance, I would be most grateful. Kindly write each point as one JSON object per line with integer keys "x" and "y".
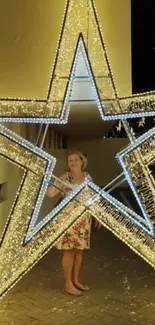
{"x": 76, "y": 270}
{"x": 67, "y": 265}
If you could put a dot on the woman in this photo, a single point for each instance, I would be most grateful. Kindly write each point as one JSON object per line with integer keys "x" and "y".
{"x": 77, "y": 238}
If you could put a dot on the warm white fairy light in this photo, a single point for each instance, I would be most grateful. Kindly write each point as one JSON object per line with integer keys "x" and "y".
{"x": 16, "y": 196}
{"x": 54, "y": 108}
{"x": 135, "y": 161}
{"x": 35, "y": 228}
{"x": 18, "y": 253}
{"x": 25, "y": 242}
{"x": 113, "y": 219}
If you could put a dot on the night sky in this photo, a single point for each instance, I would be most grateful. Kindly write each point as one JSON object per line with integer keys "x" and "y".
{"x": 143, "y": 45}
{"x": 143, "y": 60}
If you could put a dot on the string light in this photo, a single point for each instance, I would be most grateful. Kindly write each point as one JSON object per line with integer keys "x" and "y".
{"x": 135, "y": 161}
{"x": 55, "y": 107}
{"x": 18, "y": 252}
{"x": 24, "y": 242}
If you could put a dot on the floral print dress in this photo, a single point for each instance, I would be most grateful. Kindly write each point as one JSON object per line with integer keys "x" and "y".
{"x": 77, "y": 236}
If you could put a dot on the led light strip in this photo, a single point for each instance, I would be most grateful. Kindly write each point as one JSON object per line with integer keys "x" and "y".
{"x": 47, "y": 235}
{"x": 111, "y": 107}
{"x": 122, "y": 155}
{"x": 37, "y": 237}
{"x": 126, "y": 212}
{"x": 34, "y": 229}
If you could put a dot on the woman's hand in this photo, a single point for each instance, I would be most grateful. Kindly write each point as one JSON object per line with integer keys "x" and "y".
{"x": 52, "y": 191}
{"x": 98, "y": 224}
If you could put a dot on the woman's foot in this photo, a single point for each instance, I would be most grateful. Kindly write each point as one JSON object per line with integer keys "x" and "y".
{"x": 80, "y": 286}
{"x": 72, "y": 290}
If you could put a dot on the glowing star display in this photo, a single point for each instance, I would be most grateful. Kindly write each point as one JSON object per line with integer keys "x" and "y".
{"x": 138, "y": 175}
{"x": 136, "y": 161}
{"x": 23, "y": 242}
{"x": 124, "y": 224}
{"x": 54, "y": 108}
{"x": 17, "y": 255}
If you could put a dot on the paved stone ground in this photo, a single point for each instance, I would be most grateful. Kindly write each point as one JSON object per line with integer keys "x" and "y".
{"x": 122, "y": 290}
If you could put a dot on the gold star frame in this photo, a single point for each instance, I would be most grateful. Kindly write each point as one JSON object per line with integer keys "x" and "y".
{"x": 55, "y": 107}
{"x": 16, "y": 255}
{"x": 23, "y": 243}
{"x": 19, "y": 252}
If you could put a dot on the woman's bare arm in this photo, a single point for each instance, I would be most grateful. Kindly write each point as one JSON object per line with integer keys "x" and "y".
{"x": 53, "y": 191}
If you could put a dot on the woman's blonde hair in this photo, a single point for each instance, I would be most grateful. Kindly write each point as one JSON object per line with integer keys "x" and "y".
{"x": 82, "y": 157}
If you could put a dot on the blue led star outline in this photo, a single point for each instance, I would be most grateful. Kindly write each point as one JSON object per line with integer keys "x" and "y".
{"x": 143, "y": 221}
{"x": 128, "y": 213}
{"x": 125, "y": 211}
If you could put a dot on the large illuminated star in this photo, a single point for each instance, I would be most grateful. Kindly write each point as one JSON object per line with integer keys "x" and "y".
{"x": 54, "y": 108}
{"x": 18, "y": 255}
{"x": 24, "y": 242}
